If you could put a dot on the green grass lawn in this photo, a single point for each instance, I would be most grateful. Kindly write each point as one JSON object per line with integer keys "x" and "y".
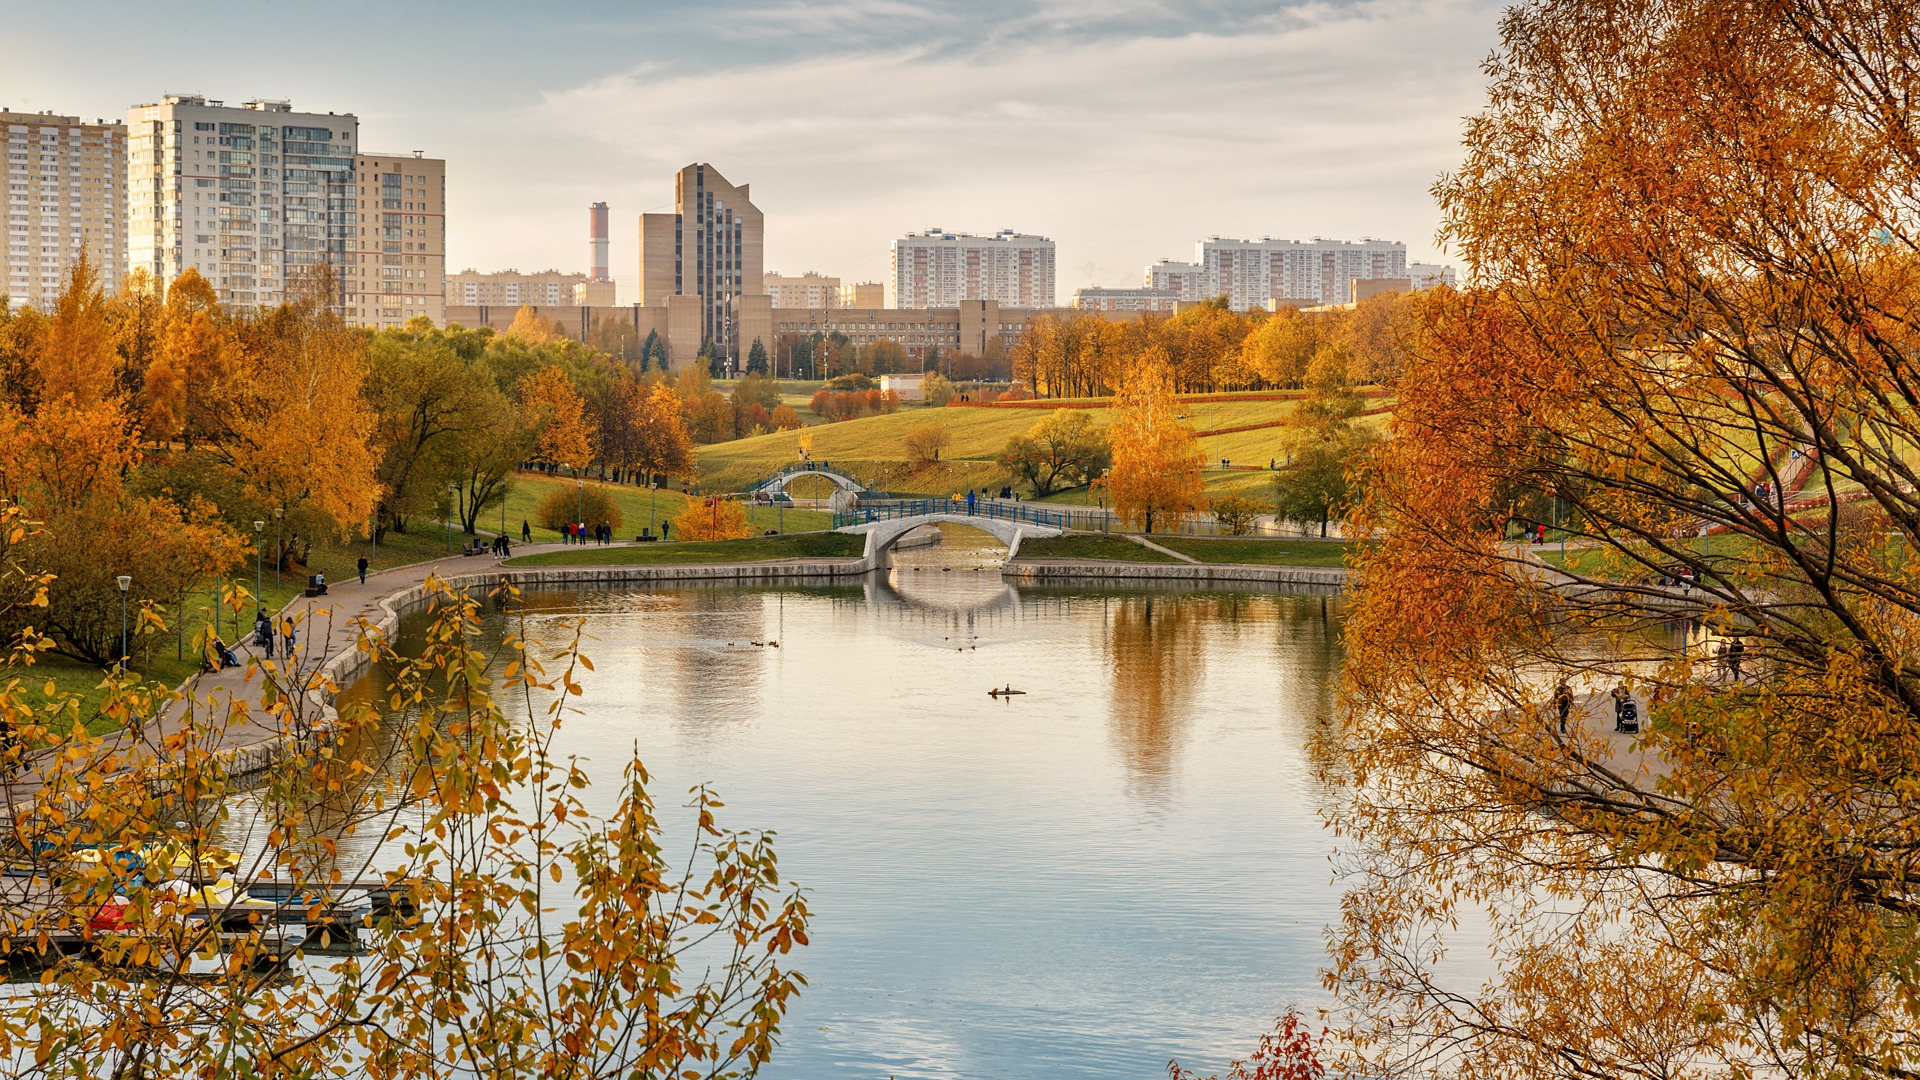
{"x": 1090, "y": 546}
{"x": 813, "y": 545}
{"x": 873, "y": 448}
{"x": 1257, "y": 551}
{"x": 640, "y": 506}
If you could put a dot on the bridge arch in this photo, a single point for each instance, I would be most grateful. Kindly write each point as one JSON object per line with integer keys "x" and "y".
{"x": 883, "y": 534}
{"x": 778, "y": 481}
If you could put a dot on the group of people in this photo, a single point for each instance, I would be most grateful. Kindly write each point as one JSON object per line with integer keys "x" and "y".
{"x": 576, "y": 533}
{"x": 264, "y": 636}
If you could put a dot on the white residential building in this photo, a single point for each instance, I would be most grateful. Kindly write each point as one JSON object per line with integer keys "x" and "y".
{"x": 244, "y": 195}
{"x": 1429, "y": 276}
{"x": 938, "y": 269}
{"x": 1250, "y": 272}
{"x": 66, "y": 193}
{"x": 1185, "y": 280}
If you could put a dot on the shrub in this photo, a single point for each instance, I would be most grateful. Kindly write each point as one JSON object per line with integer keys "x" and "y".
{"x": 925, "y": 443}
{"x": 712, "y": 518}
{"x": 589, "y": 504}
{"x": 1236, "y": 512}
{"x": 855, "y": 381}
{"x": 939, "y": 391}
{"x": 785, "y": 419}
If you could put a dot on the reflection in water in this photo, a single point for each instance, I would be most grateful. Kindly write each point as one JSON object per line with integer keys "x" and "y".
{"x": 989, "y": 875}
{"x": 1158, "y": 656}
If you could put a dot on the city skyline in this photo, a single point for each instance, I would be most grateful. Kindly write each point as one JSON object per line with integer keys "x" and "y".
{"x": 1146, "y": 128}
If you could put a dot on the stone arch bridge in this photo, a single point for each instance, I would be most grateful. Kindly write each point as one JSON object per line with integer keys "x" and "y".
{"x": 884, "y": 522}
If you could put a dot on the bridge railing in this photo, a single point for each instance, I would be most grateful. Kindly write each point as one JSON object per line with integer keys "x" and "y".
{"x": 798, "y": 467}
{"x": 871, "y": 511}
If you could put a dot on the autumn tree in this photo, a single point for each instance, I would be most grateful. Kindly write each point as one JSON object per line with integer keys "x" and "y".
{"x": 1156, "y": 474}
{"x": 566, "y": 436}
{"x": 926, "y": 443}
{"x": 427, "y": 398}
{"x": 521, "y": 927}
{"x": 1688, "y": 232}
{"x": 784, "y": 418}
{"x": 533, "y": 328}
{"x": 712, "y": 518}
{"x": 192, "y": 380}
{"x": 1063, "y": 450}
{"x": 299, "y": 434}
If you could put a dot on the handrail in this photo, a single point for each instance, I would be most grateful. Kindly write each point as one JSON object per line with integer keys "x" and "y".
{"x": 896, "y": 509}
{"x": 805, "y": 467}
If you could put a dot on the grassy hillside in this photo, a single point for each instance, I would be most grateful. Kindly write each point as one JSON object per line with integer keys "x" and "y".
{"x": 528, "y": 489}
{"x": 874, "y": 448}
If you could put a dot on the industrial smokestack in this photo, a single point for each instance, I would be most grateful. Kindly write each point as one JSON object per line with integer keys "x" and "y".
{"x": 597, "y": 242}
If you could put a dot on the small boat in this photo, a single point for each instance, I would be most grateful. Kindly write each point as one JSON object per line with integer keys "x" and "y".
{"x": 1008, "y": 692}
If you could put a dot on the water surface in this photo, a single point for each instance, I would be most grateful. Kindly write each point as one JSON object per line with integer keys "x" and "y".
{"x": 1123, "y": 865}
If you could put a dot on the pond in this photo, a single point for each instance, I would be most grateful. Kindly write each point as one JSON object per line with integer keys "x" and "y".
{"x": 1123, "y": 865}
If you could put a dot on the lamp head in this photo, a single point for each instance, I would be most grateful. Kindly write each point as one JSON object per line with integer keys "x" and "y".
{"x": 259, "y": 525}
{"x": 125, "y": 581}
{"x": 278, "y": 510}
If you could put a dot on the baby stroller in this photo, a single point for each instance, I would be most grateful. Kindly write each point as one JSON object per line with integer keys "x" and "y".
{"x": 1626, "y": 717}
{"x": 223, "y": 657}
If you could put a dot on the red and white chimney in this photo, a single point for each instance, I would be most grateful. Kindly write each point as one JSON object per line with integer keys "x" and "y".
{"x": 597, "y": 242}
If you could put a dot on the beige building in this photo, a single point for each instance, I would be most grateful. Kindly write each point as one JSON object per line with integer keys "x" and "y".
{"x": 511, "y": 288}
{"x": 705, "y": 264}
{"x": 66, "y": 193}
{"x": 595, "y": 292}
{"x": 866, "y": 294}
{"x": 969, "y": 328}
{"x": 809, "y": 290}
{"x": 397, "y": 258}
{"x": 246, "y": 195}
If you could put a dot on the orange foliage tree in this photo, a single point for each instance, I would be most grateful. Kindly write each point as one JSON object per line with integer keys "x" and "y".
{"x": 712, "y": 518}
{"x": 566, "y": 434}
{"x": 1690, "y": 227}
{"x": 1156, "y": 476}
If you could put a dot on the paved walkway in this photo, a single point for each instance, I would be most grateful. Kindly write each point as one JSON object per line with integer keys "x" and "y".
{"x": 325, "y": 628}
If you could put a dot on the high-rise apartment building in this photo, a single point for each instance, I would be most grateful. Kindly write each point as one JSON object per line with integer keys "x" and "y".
{"x": 396, "y": 257}
{"x": 809, "y": 290}
{"x": 937, "y": 269}
{"x": 1185, "y": 280}
{"x": 511, "y": 288}
{"x": 66, "y": 193}
{"x": 245, "y": 195}
{"x": 1250, "y": 272}
{"x": 711, "y": 252}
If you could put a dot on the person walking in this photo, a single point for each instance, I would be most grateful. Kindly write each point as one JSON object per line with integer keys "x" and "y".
{"x": 526, "y": 532}
{"x": 1563, "y": 703}
{"x": 1736, "y": 652}
{"x": 664, "y": 526}
{"x": 970, "y": 499}
{"x": 263, "y": 634}
{"x": 1624, "y": 710}
{"x": 287, "y": 636}
{"x": 363, "y": 569}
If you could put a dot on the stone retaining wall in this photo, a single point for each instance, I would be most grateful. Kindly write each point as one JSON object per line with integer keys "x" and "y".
{"x": 1063, "y": 571}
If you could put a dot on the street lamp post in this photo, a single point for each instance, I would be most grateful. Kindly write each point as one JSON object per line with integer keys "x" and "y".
{"x": 580, "y": 500}
{"x": 125, "y": 582}
{"x": 258, "y": 528}
{"x": 277, "y": 511}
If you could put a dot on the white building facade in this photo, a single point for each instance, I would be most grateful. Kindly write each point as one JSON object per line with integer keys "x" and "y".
{"x": 939, "y": 269}
{"x": 245, "y": 195}
{"x": 1251, "y": 272}
{"x": 66, "y": 193}
{"x": 1429, "y": 276}
{"x": 809, "y": 290}
{"x": 1097, "y": 299}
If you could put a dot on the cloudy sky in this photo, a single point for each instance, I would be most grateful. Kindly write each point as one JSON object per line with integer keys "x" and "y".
{"x": 1124, "y": 129}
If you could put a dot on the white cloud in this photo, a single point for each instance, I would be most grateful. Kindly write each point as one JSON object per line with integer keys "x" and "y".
{"x": 1309, "y": 120}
